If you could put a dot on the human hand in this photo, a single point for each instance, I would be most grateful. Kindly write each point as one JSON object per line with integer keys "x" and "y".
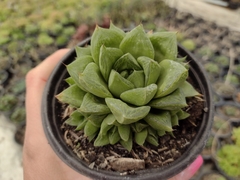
{"x": 39, "y": 160}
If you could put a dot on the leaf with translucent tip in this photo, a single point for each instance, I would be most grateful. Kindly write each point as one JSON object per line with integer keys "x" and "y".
{"x": 159, "y": 121}
{"x": 126, "y": 62}
{"x": 152, "y": 140}
{"x": 188, "y": 90}
{"x": 139, "y": 126}
{"x": 105, "y": 126}
{"x": 140, "y": 137}
{"x": 173, "y": 101}
{"x": 124, "y": 131}
{"x": 151, "y": 69}
{"x": 174, "y": 120}
{"x": 182, "y": 114}
{"x": 73, "y": 95}
{"x": 82, "y": 51}
{"x": 81, "y": 125}
{"x": 125, "y": 114}
{"x": 111, "y": 119}
{"x": 93, "y": 105}
{"x": 113, "y": 135}
{"x": 108, "y": 37}
{"x": 127, "y": 144}
{"x": 161, "y": 133}
{"x": 139, "y": 96}
{"x": 165, "y": 45}
{"x": 70, "y": 81}
{"x": 91, "y": 137}
{"x": 137, "y": 43}
{"x": 137, "y": 78}
{"x": 93, "y": 82}
{"x": 77, "y": 67}
{"x": 115, "y": 28}
{"x": 107, "y": 58}
{"x": 75, "y": 118}
{"x": 101, "y": 140}
{"x": 118, "y": 84}
{"x": 90, "y": 129}
{"x": 152, "y": 136}
{"x": 181, "y": 59}
{"x": 172, "y": 75}
{"x": 96, "y": 119}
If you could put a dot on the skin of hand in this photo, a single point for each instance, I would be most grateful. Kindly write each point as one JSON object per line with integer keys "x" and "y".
{"x": 39, "y": 160}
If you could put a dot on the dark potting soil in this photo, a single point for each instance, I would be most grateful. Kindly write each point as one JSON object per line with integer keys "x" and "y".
{"x": 148, "y": 156}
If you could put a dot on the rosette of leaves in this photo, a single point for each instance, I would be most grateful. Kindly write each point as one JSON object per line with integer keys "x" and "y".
{"x": 127, "y": 87}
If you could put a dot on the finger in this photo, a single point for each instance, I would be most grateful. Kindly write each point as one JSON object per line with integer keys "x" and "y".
{"x": 35, "y": 83}
{"x": 190, "y": 170}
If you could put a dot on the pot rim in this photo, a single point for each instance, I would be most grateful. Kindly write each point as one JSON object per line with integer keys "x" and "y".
{"x": 57, "y": 143}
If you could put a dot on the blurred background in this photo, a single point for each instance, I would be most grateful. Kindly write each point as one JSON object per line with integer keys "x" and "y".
{"x": 30, "y": 30}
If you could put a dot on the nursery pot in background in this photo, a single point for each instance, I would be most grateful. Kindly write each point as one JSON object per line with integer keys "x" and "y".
{"x": 52, "y": 112}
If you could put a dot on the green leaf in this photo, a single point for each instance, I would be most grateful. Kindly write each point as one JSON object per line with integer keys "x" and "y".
{"x": 151, "y": 69}
{"x": 124, "y": 131}
{"x": 174, "y": 120}
{"x": 140, "y": 137}
{"x": 93, "y": 105}
{"x": 81, "y": 124}
{"x": 159, "y": 121}
{"x": 188, "y": 90}
{"x": 96, "y": 119}
{"x": 161, "y": 132}
{"x": 73, "y": 95}
{"x": 139, "y": 126}
{"x": 172, "y": 75}
{"x": 152, "y": 137}
{"x": 165, "y": 45}
{"x": 127, "y": 144}
{"x": 107, "y": 37}
{"x": 77, "y": 67}
{"x": 137, "y": 43}
{"x": 173, "y": 101}
{"x": 70, "y": 81}
{"x": 107, "y": 124}
{"x": 182, "y": 114}
{"x": 139, "y": 96}
{"x": 91, "y": 137}
{"x": 126, "y": 62}
{"x": 93, "y": 82}
{"x": 118, "y": 84}
{"x": 107, "y": 58}
{"x": 124, "y": 113}
{"x": 113, "y": 135}
{"x": 101, "y": 140}
{"x": 137, "y": 78}
{"x": 90, "y": 129}
{"x": 82, "y": 51}
{"x": 111, "y": 119}
{"x": 75, "y": 119}
{"x": 115, "y": 28}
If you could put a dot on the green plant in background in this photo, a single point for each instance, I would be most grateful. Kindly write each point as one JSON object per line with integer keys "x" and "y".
{"x": 127, "y": 87}
{"x": 222, "y": 60}
{"x": 231, "y": 111}
{"x": 189, "y": 44}
{"x": 212, "y": 68}
{"x": 228, "y": 156}
{"x": 7, "y": 102}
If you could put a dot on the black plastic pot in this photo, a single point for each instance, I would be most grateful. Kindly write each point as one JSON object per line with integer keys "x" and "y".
{"x": 51, "y": 116}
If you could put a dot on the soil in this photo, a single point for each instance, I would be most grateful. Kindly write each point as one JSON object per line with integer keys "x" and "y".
{"x": 148, "y": 156}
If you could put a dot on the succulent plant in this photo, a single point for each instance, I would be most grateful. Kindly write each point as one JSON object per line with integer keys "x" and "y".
{"x": 127, "y": 87}
{"x": 228, "y": 158}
